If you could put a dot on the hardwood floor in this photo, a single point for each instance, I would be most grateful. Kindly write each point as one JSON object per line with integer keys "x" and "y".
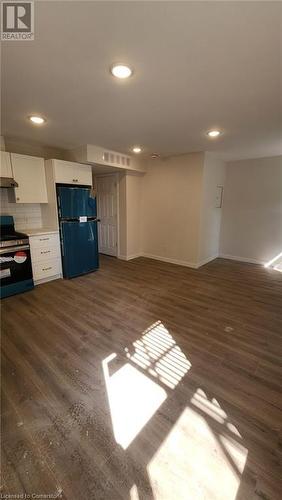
{"x": 143, "y": 381}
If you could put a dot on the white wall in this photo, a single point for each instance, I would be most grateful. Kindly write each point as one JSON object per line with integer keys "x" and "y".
{"x": 122, "y": 222}
{"x": 2, "y": 143}
{"x": 171, "y": 202}
{"x": 134, "y": 191}
{"x": 213, "y": 176}
{"x": 26, "y": 215}
{"x": 130, "y": 190}
{"x": 252, "y": 211}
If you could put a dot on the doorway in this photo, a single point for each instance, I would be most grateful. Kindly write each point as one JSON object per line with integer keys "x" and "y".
{"x": 107, "y": 212}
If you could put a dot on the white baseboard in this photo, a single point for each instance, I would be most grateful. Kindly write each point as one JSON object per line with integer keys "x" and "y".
{"x": 241, "y": 259}
{"x": 190, "y": 264}
{"x": 130, "y": 257}
{"x": 171, "y": 261}
{"x": 168, "y": 259}
{"x": 206, "y": 261}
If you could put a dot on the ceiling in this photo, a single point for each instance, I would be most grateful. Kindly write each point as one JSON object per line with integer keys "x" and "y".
{"x": 197, "y": 66}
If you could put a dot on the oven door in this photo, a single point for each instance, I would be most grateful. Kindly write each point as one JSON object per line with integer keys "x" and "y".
{"x": 15, "y": 270}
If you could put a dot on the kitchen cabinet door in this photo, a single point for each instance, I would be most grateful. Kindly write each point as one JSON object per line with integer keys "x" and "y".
{"x": 68, "y": 172}
{"x": 5, "y": 165}
{"x": 29, "y": 173}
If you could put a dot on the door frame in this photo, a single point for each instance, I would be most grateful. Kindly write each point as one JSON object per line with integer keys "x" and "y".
{"x": 116, "y": 176}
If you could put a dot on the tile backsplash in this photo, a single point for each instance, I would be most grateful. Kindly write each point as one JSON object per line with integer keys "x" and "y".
{"x": 26, "y": 215}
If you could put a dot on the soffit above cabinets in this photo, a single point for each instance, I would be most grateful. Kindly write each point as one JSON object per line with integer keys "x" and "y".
{"x": 98, "y": 155}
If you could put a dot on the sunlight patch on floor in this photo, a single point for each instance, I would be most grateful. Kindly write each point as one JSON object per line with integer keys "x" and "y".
{"x": 133, "y": 399}
{"x": 275, "y": 263}
{"x": 157, "y": 351}
{"x": 133, "y": 493}
{"x": 202, "y": 456}
{"x": 195, "y": 463}
{"x": 134, "y": 396}
{"x": 210, "y": 408}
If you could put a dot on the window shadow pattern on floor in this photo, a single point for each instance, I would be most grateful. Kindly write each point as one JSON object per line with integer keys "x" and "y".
{"x": 188, "y": 447}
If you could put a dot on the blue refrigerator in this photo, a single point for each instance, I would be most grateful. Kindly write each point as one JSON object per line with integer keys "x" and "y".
{"x": 78, "y": 230}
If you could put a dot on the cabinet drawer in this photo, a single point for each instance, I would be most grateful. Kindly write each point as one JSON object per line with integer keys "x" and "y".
{"x": 44, "y": 240}
{"x": 46, "y": 268}
{"x": 39, "y": 254}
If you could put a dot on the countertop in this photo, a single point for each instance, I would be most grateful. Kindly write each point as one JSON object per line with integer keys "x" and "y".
{"x": 39, "y": 231}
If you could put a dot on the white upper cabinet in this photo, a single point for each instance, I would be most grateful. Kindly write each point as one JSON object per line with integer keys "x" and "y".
{"x": 29, "y": 173}
{"x": 67, "y": 172}
{"x": 5, "y": 165}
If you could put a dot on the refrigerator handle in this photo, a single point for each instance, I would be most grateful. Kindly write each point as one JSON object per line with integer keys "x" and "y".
{"x": 59, "y": 204}
{"x": 61, "y": 239}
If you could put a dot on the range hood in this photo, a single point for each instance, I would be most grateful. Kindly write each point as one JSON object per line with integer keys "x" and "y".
{"x": 8, "y": 182}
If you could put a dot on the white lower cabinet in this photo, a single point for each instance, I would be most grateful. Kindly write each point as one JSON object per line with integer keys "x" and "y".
{"x": 45, "y": 257}
{"x": 46, "y": 269}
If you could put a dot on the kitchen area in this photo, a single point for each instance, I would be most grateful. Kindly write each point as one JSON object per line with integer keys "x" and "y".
{"x": 57, "y": 215}
{"x": 48, "y": 221}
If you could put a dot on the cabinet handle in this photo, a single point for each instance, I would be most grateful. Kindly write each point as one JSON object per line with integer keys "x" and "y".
{"x": 45, "y": 251}
{"x": 44, "y": 239}
{"x": 18, "y": 199}
{"x": 75, "y": 180}
{"x": 46, "y": 268}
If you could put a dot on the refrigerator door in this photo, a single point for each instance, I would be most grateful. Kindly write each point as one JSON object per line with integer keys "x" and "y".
{"x": 79, "y": 247}
{"x": 75, "y": 202}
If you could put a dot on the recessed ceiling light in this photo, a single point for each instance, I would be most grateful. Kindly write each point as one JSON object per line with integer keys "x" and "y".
{"x": 37, "y": 120}
{"x": 136, "y": 149}
{"x": 213, "y": 133}
{"x": 121, "y": 71}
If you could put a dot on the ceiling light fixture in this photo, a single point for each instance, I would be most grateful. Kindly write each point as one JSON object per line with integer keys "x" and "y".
{"x": 136, "y": 149}
{"x": 155, "y": 156}
{"x": 121, "y": 71}
{"x": 213, "y": 133}
{"x": 37, "y": 120}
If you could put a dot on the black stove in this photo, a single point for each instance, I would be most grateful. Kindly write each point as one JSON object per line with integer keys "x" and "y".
{"x": 15, "y": 238}
{"x": 8, "y": 233}
{"x": 15, "y": 260}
